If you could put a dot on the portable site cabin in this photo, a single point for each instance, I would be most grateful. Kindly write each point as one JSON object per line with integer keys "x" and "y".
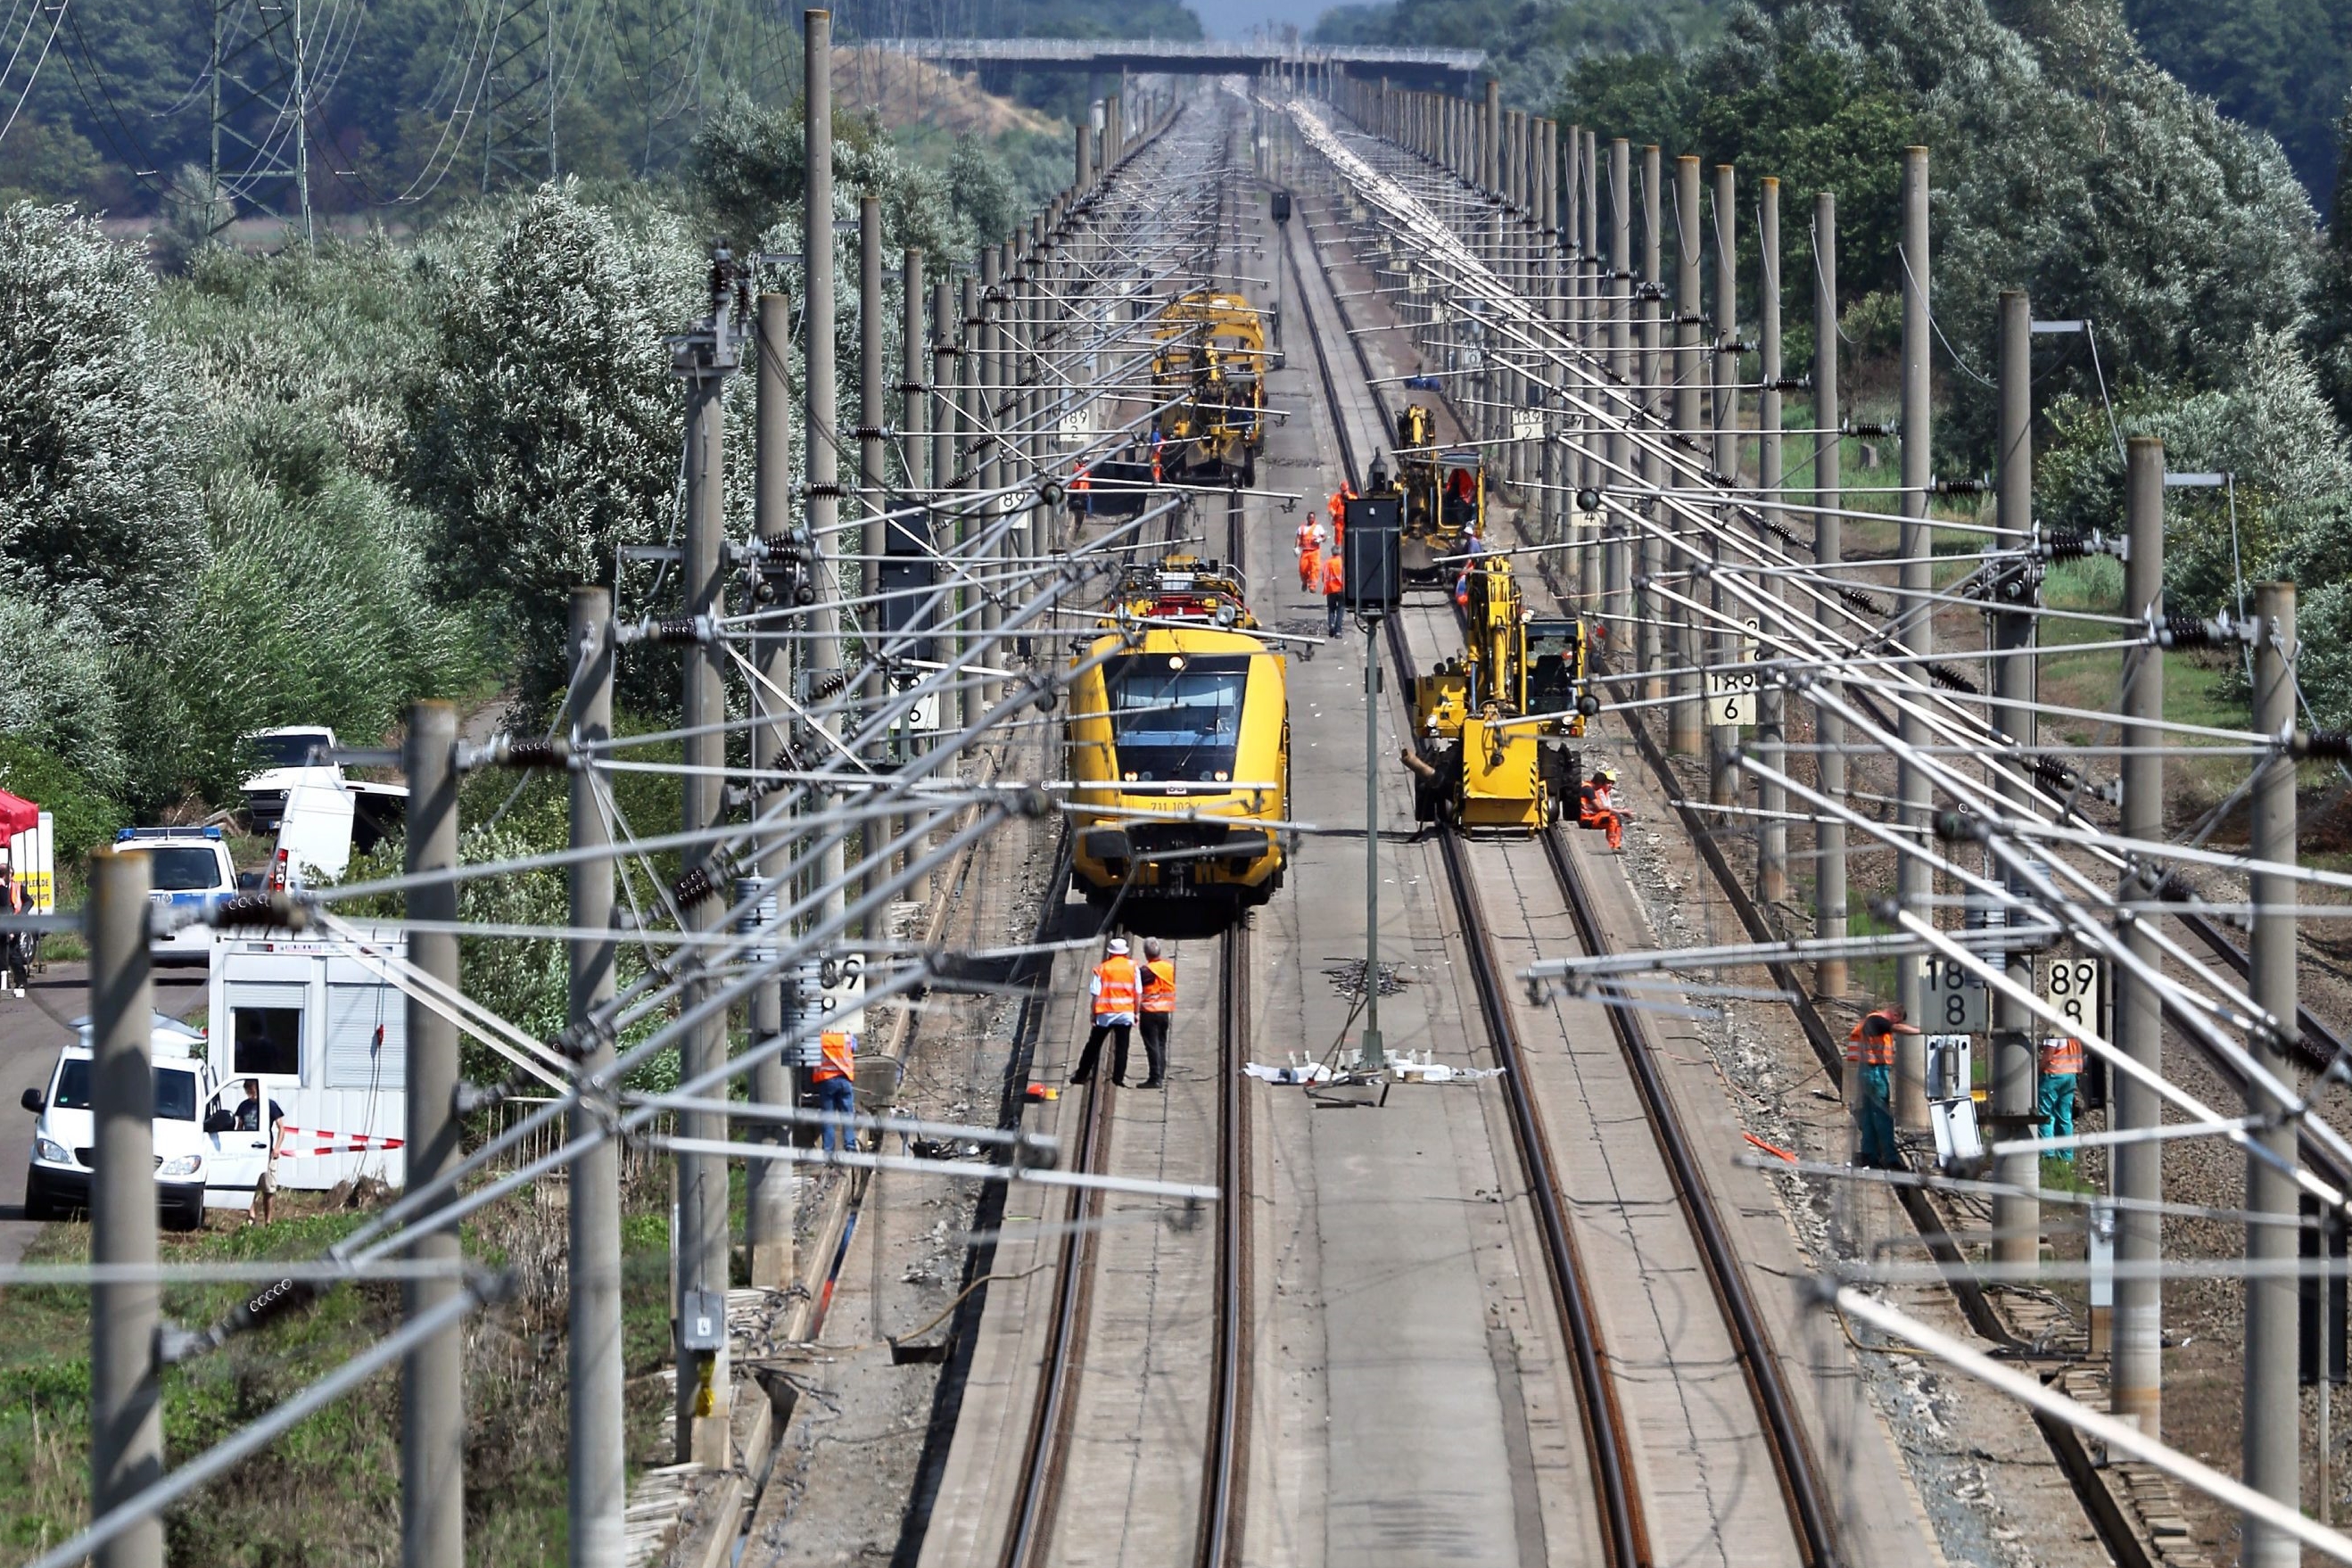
{"x": 318, "y": 1022}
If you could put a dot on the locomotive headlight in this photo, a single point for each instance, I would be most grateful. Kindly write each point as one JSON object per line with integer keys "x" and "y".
{"x": 1223, "y": 776}
{"x": 1175, "y": 661}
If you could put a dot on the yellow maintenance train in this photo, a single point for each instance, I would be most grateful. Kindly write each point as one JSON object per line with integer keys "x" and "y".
{"x": 1209, "y": 376}
{"x": 1179, "y": 740}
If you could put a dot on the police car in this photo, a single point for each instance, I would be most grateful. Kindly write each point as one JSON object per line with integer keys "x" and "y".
{"x": 189, "y": 870}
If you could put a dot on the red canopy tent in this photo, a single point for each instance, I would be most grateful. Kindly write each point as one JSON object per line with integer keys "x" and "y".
{"x": 18, "y": 815}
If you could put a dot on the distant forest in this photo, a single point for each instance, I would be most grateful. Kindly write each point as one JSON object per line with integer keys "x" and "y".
{"x": 2281, "y": 65}
{"x": 410, "y": 106}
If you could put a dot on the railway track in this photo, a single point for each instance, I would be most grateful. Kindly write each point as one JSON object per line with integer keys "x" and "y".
{"x": 1625, "y": 1525}
{"x": 1046, "y": 1461}
{"x": 2123, "y": 1542}
{"x": 1029, "y": 1540}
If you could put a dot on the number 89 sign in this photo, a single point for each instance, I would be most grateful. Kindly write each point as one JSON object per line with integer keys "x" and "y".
{"x": 2071, "y": 985}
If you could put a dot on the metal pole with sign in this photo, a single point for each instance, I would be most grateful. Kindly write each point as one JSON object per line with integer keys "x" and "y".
{"x": 1374, "y": 581}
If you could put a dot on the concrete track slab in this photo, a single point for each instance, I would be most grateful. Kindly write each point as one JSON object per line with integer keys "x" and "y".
{"x": 1139, "y": 1440}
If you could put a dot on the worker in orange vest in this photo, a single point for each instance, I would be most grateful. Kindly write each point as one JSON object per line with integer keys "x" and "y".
{"x": 2061, "y": 1069}
{"x": 1311, "y": 556}
{"x": 1335, "y": 587}
{"x": 836, "y": 1078}
{"x": 1869, "y": 1049}
{"x": 1596, "y": 807}
{"x": 1159, "y": 1009}
{"x": 1338, "y": 509}
{"x": 1115, "y": 985}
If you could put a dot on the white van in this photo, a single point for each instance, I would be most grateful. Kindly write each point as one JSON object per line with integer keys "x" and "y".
{"x": 315, "y": 1021}
{"x": 195, "y": 1169}
{"x": 314, "y": 837}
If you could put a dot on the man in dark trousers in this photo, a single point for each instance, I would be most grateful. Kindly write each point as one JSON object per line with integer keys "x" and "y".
{"x": 1158, "y": 1008}
{"x": 1114, "y": 991}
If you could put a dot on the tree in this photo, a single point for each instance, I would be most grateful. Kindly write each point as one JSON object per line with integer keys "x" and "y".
{"x": 548, "y": 431}
{"x": 94, "y": 441}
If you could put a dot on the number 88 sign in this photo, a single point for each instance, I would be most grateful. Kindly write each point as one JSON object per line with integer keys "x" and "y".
{"x": 2071, "y": 985}
{"x": 1952, "y": 997}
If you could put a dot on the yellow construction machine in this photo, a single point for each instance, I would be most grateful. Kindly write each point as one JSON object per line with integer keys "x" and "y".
{"x": 1492, "y": 726}
{"x": 1444, "y": 496}
{"x": 1209, "y": 373}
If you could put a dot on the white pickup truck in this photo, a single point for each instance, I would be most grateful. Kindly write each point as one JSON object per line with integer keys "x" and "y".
{"x": 331, "y": 814}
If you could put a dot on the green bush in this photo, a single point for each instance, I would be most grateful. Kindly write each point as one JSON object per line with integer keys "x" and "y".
{"x": 86, "y": 817}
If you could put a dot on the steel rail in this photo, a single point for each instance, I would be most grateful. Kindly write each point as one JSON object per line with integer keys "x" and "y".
{"x": 1045, "y": 1460}
{"x": 1608, "y": 1444}
{"x": 1812, "y": 1512}
{"x": 1226, "y": 1472}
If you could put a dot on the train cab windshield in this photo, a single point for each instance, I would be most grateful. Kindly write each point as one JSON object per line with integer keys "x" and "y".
{"x": 1176, "y": 718}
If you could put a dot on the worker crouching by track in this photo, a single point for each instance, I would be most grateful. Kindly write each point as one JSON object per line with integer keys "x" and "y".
{"x": 1596, "y": 807}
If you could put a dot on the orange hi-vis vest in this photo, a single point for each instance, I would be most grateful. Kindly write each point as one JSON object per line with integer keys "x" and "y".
{"x": 1870, "y": 1050}
{"x": 1117, "y": 990}
{"x": 1335, "y": 574}
{"x": 2061, "y": 1055}
{"x": 1159, "y": 985}
{"x": 840, "y": 1048}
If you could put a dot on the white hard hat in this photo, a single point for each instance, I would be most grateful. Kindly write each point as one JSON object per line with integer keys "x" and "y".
{"x": 1117, "y": 945}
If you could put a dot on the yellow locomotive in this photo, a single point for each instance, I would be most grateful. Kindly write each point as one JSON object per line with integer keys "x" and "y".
{"x": 1178, "y": 741}
{"x": 1491, "y": 726}
{"x": 1208, "y": 372}
{"x": 1445, "y": 493}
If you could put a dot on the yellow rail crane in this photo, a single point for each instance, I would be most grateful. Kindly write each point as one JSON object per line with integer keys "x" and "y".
{"x": 1444, "y": 492}
{"x": 1209, "y": 371}
{"x": 1492, "y": 726}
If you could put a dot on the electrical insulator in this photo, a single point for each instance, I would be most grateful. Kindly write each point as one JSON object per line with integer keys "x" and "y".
{"x": 1870, "y": 428}
{"x": 693, "y": 887}
{"x": 2056, "y": 774}
{"x": 2068, "y": 543}
{"x": 516, "y": 753}
{"x": 1960, "y": 487}
{"x": 2333, "y": 745}
{"x": 2188, "y": 631}
{"x": 679, "y": 629}
{"x": 264, "y": 910}
{"x": 1861, "y": 601}
{"x": 1952, "y": 679}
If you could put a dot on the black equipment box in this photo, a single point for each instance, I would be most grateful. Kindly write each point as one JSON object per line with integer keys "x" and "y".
{"x": 1371, "y": 554}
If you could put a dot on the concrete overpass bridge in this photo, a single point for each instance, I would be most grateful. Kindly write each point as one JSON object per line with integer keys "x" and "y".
{"x": 1434, "y": 68}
